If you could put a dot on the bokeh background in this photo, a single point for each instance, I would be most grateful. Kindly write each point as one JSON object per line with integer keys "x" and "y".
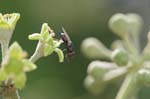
{"x": 81, "y": 18}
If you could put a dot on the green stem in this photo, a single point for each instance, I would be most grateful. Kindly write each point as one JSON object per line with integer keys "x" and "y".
{"x": 129, "y": 45}
{"x": 115, "y": 73}
{"x": 4, "y": 47}
{"x": 38, "y": 52}
{"x": 128, "y": 87}
{"x": 136, "y": 42}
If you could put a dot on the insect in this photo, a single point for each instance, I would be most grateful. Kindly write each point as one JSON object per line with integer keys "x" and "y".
{"x": 68, "y": 43}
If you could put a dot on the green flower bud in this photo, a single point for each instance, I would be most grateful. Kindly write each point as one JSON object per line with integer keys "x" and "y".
{"x": 94, "y": 86}
{"x": 118, "y": 24}
{"x": 93, "y": 48}
{"x": 143, "y": 77}
{"x": 135, "y": 23}
{"x": 124, "y": 24}
{"x": 120, "y": 57}
{"x": 97, "y": 69}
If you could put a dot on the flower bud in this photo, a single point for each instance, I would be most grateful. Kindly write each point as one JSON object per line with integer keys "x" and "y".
{"x": 97, "y": 69}
{"x": 143, "y": 77}
{"x": 135, "y": 23}
{"x": 93, "y": 48}
{"x": 118, "y": 24}
{"x": 93, "y": 86}
{"x": 120, "y": 57}
{"x": 123, "y": 24}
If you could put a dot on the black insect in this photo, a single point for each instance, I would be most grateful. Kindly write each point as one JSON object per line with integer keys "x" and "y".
{"x": 68, "y": 44}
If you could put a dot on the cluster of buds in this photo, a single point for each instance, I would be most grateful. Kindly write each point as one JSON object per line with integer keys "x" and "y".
{"x": 124, "y": 59}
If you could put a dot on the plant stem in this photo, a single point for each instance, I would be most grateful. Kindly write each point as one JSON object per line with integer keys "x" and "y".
{"x": 130, "y": 47}
{"x": 38, "y": 52}
{"x": 114, "y": 74}
{"x": 137, "y": 42}
{"x": 4, "y": 47}
{"x": 128, "y": 87}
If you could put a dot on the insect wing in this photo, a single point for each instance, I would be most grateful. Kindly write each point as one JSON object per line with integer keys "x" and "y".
{"x": 66, "y": 35}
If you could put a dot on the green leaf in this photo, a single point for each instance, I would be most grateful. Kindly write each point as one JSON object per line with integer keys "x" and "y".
{"x": 60, "y": 54}
{"x": 20, "y": 80}
{"x": 16, "y": 51}
{"x": 48, "y": 49}
{"x": 35, "y": 36}
{"x": 28, "y": 65}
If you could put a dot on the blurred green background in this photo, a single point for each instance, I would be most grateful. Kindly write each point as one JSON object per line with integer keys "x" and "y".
{"x": 81, "y": 18}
